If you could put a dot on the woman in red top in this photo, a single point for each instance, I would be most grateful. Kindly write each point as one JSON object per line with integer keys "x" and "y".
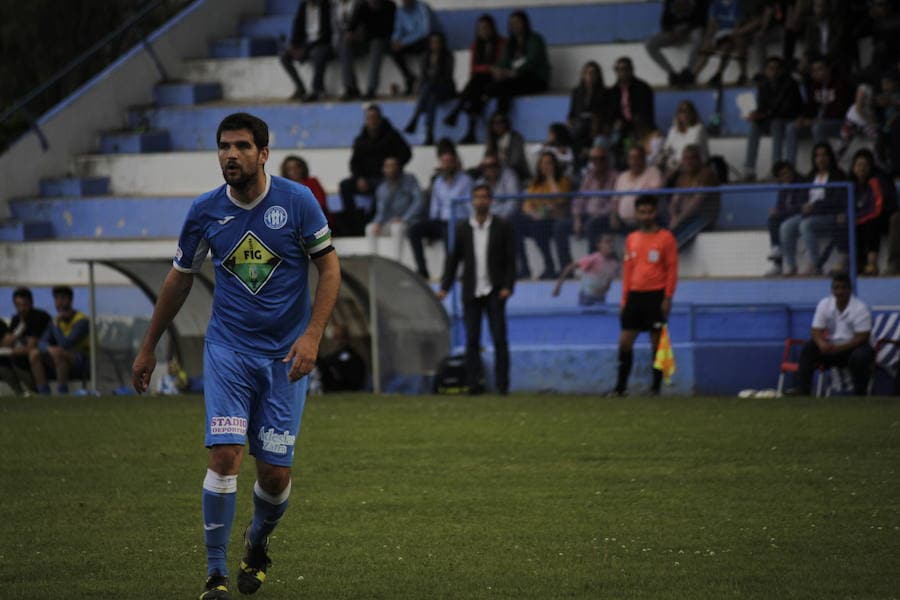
{"x": 295, "y": 168}
{"x": 875, "y": 201}
{"x": 484, "y": 52}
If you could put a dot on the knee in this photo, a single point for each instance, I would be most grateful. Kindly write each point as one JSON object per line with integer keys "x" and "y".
{"x": 273, "y": 479}
{"x": 225, "y": 459}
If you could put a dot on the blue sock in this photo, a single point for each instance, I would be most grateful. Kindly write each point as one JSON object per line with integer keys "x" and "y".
{"x": 44, "y": 389}
{"x": 267, "y": 511}
{"x": 62, "y": 388}
{"x": 219, "y": 504}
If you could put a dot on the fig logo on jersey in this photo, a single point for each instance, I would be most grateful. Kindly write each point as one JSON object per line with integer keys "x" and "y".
{"x": 275, "y": 218}
{"x": 252, "y": 262}
{"x": 225, "y": 220}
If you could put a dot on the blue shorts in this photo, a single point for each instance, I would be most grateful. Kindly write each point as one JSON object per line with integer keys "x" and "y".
{"x": 247, "y": 394}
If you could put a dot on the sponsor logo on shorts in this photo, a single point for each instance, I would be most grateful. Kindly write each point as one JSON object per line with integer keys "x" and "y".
{"x": 226, "y": 425}
{"x": 276, "y": 443}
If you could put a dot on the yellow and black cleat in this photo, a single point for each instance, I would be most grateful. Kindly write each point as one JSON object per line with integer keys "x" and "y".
{"x": 252, "y": 572}
{"x": 216, "y": 588}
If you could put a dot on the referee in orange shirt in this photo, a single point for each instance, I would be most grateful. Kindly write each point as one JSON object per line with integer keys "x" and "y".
{"x": 649, "y": 274}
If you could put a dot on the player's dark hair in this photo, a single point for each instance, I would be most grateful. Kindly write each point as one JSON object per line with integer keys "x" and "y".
{"x": 374, "y": 107}
{"x": 245, "y": 121}
{"x": 841, "y": 277}
{"x": 648, "y": 200}
{"x": 485, "y": 187}
{"x": 63, "y": 290}
{"x": 23, "y": 292}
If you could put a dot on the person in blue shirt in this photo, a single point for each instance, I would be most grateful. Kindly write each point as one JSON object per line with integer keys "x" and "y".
{"x": 262, "y": 339}
{"x": 414, "y": 21}
{"x": 64, "y": 348}
{"x": 452, "y": 183}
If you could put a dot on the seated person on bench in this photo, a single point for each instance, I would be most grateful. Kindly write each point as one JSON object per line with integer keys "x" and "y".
{"x": 64, "y": 349}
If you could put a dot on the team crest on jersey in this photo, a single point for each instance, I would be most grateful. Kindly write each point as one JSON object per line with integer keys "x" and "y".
{"x": 252, "y": 262}
{"x": 275, "y": 217}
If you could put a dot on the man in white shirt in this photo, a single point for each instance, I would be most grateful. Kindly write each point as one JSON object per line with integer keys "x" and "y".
{"x": 840, "y": 338}
{"x": 638, "y": 176}
{"x": 485, "y": 244}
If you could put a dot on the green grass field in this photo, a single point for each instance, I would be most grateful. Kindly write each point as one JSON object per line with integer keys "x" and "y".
{"x": 423, "y": 497}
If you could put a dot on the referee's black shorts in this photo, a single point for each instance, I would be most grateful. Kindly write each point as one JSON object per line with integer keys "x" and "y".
{"x": 643, "y": 311}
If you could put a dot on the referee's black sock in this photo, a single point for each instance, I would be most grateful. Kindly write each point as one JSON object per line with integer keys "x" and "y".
{"x": 625, "y": 359}
{"x": 657, "y": 380}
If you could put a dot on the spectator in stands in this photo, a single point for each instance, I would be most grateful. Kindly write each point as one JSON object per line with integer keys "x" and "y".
{"x": 546, "y": 217}
{"x": 64, "y": 348}
{"x": 682, "y": 24}
{"x": 885, "y": 32}
{"x": 310, "y": 41}
{"x": 175, "y": 381}
{"x": 827, "y": 100}
{"x": 789, "y": 204}
{"x": 296, "y": 169}
{"x": 399, "y": 202}
{"x": 687, "y": 130}
{"x": 452, "y": 183}
{"x": 860, "y": 122}
{"x": 596, "y": 272}
{"x": 887, "y": 103}
{"x": 692, "y": 212}
{"x": 638, "y": 176}
{"x": 486, "y": 248}
{"x": 25, "y": 330}
{"x": 509, "y": 145}
{"x": 876, "y": 201}
{"x": 894, "y": 245}
{"x": 414, "y": 22}
{"x": 524, "y": 67}
{"x": 589, "y": 106}
{"x": 595, "y": 215}
{"x": 503, "y": 182}
{"x": 631, "y": 100}
{"x": 437, "y": 85}
{"x": 728, "y": 31}
{"x": 778, "y": 103}
{"x": 376, "y": 141}
{"x": 559, "y": 142}
{"x": 825, "y": 36}
{"x": 840, "y": 331}
{"x": 484, "y": 53}
{"x": 818, "y": 216}
{"x": 368, "y": 33}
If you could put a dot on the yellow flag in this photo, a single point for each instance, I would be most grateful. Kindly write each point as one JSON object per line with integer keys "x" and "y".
{"x": 665, "y": 357}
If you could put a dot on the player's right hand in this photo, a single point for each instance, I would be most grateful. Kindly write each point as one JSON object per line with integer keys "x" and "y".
{"x": 141, "y": 371}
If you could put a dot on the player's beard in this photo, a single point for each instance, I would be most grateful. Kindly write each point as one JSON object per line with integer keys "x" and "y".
{"x": 240, "y": 180}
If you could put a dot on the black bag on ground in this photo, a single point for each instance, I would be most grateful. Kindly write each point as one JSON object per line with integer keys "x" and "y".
{"x": 450, "y": 377}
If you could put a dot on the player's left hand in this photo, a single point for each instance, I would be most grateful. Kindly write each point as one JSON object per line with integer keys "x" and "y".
{"x": 666, "y": 307}
{"x": 504, "y": 293}
{"x": 302, "y": 357}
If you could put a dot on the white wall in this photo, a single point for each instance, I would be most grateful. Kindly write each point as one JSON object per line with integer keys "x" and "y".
{"x": 101, "y": 104}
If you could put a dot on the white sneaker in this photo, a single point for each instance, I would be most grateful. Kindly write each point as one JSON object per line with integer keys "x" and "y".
{"x": 774, "y": 270}
{"x": 775, "y": 253}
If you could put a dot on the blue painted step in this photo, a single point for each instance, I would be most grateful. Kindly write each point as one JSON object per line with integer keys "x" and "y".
{"x": 559, "y": 24}
{"x": 243, "y": 47}
{"x": 186, "y": 94}
{"x": 331, "y": 125}
{"x": 133, "y": 142}
{"x": 21, "y": 231}
{"x": 74, "y": 186}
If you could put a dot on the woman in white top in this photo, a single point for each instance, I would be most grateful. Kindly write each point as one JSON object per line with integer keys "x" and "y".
{"x": 687, "y": 130}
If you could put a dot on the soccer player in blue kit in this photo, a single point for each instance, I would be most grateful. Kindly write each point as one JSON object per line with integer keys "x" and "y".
{"x": 262, "y": 340}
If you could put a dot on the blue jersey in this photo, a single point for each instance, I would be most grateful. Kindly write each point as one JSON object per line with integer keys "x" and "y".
{"x": 261, "y": 253}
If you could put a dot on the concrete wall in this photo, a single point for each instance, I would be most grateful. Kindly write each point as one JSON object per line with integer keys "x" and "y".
{"x": 71, "y": 128}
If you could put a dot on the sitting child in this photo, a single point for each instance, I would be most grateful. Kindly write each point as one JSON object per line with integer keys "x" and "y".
{"x": 175, "y": 381}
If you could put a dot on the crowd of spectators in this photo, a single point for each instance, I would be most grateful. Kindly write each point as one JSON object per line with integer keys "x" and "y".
{"x": 817, "y": 84}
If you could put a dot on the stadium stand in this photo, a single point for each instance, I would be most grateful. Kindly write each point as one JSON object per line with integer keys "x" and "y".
{"x": 152, "y": 159}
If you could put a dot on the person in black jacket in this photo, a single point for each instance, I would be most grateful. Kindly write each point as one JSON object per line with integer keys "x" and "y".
{"x": 485, "y": 244}
{"x": 588, "y": 110}
{"x": 631, "y": 100}
{"x": 437, "y": 85}
{"x": 376, "y": 141}
{"x": 778, "y": 103}
{"x": 310, "y": 40}
{"x": 369, "y": 31}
